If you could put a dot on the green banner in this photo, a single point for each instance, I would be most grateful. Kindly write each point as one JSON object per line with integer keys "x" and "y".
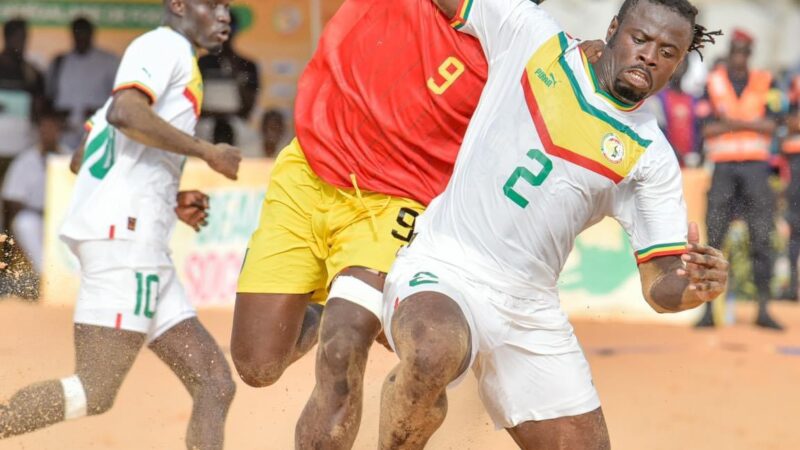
{"x": 128, "y": 15}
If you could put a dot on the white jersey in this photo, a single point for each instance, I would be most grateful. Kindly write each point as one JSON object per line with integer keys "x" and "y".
{"x": 124, "y": 189}
{"x": 546, "y": 155}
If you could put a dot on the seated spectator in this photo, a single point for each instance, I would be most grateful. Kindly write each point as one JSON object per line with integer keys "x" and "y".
{"x": 273, "y": 133}
{"x": 80, "y": 80}
{"x": 21, "y": 94}
{"x": 24, "y": 187}
{"x": 231, "y": 81}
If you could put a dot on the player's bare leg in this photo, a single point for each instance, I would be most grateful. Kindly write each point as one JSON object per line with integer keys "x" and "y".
{"x": 271, "y": 331}
{"x": 432, "y": 339}
{"x": 103, "y": 358}
{"x": 193, "y": 355}
{"x": 583, "y": 432}
{"x": 332, "y": 415}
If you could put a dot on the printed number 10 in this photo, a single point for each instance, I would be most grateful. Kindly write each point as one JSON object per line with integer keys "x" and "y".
{"x": 523, "y": 173}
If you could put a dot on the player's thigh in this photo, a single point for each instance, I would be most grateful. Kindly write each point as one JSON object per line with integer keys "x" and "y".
{"x": 266, "y": 327}
{"x": 586, "y": 431}
{"x": 354, "y": 305}
{"x": 284, "y": 255}
{"x": 522, "y": 381}
{"x": 424, "y": 314}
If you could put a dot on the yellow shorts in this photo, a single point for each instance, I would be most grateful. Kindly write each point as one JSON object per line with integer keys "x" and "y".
{"x": 310, "y": 231}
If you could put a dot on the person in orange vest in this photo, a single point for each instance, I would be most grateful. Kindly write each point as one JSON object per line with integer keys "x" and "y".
{"x": 738, "y": 132}
{"x": 791, "y": 149}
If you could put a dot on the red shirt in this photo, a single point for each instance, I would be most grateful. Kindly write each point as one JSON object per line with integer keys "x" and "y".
{"x": 387, "y": 96}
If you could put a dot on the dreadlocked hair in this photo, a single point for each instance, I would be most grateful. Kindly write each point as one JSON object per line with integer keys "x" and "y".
{"x": 686, "y": 10}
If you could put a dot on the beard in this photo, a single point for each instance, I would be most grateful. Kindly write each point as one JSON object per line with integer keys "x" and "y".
{"x": 627, "y": 94}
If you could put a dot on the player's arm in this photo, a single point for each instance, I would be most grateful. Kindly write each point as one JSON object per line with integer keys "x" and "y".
{"x": 77, "y": 157}
{"x": 677, "y": 283}
{"x": 130, "y": 112}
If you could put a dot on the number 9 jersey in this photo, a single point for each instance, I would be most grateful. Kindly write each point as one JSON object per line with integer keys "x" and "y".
{"x": 387, "y": 97}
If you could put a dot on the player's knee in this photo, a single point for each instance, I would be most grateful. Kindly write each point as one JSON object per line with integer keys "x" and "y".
{"x": 217, "y": 385}
{"x": 260, "y": 373}
{"x": 343, "y": 349}
{"x": 437, "y": 353}
{"x": 433, "y": 340}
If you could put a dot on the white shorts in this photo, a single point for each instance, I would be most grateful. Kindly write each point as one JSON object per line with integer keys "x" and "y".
{"x": 525, "y": 355}
{"x": 129, "y": 286}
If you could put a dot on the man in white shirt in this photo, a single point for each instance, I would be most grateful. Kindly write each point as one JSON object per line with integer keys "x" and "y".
{"x": 556, "y": 144}
{"x": 119, "y": 224}
{"x": 79, "y": 81}
{"x": 24, "y": 186}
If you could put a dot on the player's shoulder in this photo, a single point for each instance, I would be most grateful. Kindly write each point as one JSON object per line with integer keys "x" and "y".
{"x": 659, "y": 153}
{"x": 161, "y": 40}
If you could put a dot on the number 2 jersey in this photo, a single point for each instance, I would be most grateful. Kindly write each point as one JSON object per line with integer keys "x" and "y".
{"x": 547, "y": 154}
{"x": 124, "y": 189}
{"x": 387, "y": 97}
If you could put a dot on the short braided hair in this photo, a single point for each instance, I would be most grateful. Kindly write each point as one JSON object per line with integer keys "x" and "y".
{"x": 686, "y": 10}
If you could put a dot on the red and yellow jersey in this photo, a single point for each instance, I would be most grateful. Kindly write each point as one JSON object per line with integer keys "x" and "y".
{"x": 387, "y": 97}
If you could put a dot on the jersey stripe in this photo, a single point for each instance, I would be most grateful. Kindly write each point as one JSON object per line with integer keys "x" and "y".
{"x": 462, "y": 14}
{"x": 588, "y": 107}
{"x": 553, "y": 149}
{"x": 139, "y": 87}
{"x": 601, "y": 92}
{"x": 655, "y": 251}
{"x": 601, "y": 144}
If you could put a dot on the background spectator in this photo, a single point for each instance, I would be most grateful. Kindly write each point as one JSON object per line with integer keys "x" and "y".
{"x": 273, "y": 133}
{"x": 231, "y": 80}
{"x": 677, "y": 117}
{"x": 80, "y": 80}
{"x": 791, "y": 148}
{"x": 739, "y": 135}
{"x": 24, "y": 187}
{"x": 21, "y": 94}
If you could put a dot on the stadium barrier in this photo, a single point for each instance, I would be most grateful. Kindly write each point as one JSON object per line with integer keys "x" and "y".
{"x": 599, "y": 280}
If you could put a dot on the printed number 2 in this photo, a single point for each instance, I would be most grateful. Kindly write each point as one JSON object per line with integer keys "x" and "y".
{"x": 527, "y": 175}
{"x": 450, "y": 70}
{"x": 146, "y": 292}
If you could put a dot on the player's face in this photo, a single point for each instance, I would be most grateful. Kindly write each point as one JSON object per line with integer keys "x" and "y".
{"x": 645, "y": 50}
{"x": 210, "y": 21}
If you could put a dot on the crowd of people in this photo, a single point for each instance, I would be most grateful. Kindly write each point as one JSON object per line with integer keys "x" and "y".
{"x": 43, "y": 111}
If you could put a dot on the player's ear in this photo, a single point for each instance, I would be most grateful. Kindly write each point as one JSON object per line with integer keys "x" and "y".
{"x": 177, "y": 7}
{"x": 612, "y": 28}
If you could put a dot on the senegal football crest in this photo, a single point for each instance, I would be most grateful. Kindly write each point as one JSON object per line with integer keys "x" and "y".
{"x": 613, "y": 148}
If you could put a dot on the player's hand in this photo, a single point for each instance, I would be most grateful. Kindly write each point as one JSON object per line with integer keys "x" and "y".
{"x": 593, "y": 49}
{"x": 225, "y": 159}
{"x": 705, "y": 267}
{"x": 192, "y": 209}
